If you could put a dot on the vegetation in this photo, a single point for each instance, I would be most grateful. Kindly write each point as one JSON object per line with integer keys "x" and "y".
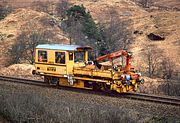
{"x": 167, "y": 68}
{"x": 5, "y": 9}
{"x": 16, "y": 53}
{"x": 104, "y": 37}
{"x": 62, "y": 7}
{"x": 144, "y": 3}
{"x": 41, "y": 6}
{"x": 33, "y": 107}
{"x": 24, "y": 47}
{"x": 21, "y": 103}
{"x": 157, "y": 64}
{"x": 153, "y": 58}
{"x": 115, "y": 34}
{"x": 81, "y": 27}
{"x": 77, "y": 14}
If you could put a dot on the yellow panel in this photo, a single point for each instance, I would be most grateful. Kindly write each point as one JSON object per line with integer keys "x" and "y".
{"x": 90, "y": 72}
{"x": 86, "y": 56}
{"x": 51, "y": 56}
{"x": 53, "y": 69}
{"x": 36, "y": 55}
{"x": 70, "y": 67}
{"x": 90, "y": 79}
{"x": 69, "y": 63}
{"x": 79, "y": 84}
{"x": 63, "y": 81}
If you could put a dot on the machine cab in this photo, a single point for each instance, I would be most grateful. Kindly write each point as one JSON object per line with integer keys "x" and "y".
{"x": 59, "y": 59}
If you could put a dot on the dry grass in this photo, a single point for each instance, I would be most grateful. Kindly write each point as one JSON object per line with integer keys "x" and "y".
{"x": 21, "y": 71}
{"x": 160, "y": 87}
{"x": 168, "y": 4}
{"x": 22, "y": 103}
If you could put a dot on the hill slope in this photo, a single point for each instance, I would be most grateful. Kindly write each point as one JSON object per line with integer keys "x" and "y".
{"x": 27, "y": 20}
{"x": 164, "y": 23}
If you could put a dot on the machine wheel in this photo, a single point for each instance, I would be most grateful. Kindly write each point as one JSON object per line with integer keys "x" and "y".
{"x": 54, "y": 80}
{"x": 106, "y": 88}
{"x": 51, "y": 80}
{"x": 96, "y": 87}
{"x": 47, "y": 79}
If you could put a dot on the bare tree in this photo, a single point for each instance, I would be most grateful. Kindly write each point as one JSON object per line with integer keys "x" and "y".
{"x": 42, "y": 6}
{"x": 115, "y": 33}
{"x": 145, "y": 3}
{"x": 62, "y": 7}
{"x": 18, "y": 49}
{"x": 80, "y": 26}
{"x": 75, "y": 33}
{"x": 167, "y": 68}
{"x": 33, "y": 40}
{"x": 24, "y": 47}
{"x": 5, "y": 9}
{"x": 153, "y": 57}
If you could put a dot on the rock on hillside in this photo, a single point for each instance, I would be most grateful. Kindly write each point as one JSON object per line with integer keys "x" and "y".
{"x": 161, "y": 23}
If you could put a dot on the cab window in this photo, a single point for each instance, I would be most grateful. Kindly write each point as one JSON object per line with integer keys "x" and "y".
{"x": 60, "y": 57}
{"x": 42, "y": 56}
{"x": 79, "y": 56}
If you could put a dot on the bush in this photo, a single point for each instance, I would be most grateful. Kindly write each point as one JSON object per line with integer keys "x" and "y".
{"x": 31, "y": 107}
{"x": 78, "y": 14}
{"x": 4, "y": 11}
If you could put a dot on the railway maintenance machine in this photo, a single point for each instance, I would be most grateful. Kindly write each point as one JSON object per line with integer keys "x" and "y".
{"x": 68, "y": 65}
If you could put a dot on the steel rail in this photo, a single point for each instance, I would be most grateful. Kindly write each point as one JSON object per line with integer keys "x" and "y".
{"x": 135, "y": 96}
{"x": 153, "y": 98}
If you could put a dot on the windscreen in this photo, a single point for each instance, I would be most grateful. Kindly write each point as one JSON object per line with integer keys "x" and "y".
{"x": 79, "y": 56}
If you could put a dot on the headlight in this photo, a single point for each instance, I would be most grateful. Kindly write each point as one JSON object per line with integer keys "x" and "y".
{"x": 139, "y": 74}
{"x": 122, "y": 76}
{"x": 142, "y": 81}
{"x": 128, "y": 77}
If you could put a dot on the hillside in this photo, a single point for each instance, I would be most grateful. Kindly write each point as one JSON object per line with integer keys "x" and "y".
{"x": 27, "y": 20}
{"x": 162, "y": 22}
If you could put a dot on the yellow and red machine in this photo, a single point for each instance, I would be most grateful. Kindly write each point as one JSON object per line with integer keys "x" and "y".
{"x": 68, "y": 65}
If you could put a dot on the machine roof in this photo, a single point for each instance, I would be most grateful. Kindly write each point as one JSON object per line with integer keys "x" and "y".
{"x": 62, "y": 47}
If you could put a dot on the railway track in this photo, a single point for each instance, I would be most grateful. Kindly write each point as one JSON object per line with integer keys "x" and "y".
{"x": 154, "y": 98}
{"x": 135, "y": 96}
